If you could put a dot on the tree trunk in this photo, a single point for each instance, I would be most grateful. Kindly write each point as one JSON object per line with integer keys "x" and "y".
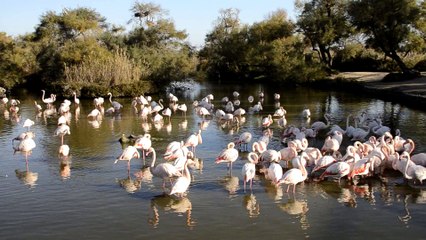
{"x": 398, "y": 60}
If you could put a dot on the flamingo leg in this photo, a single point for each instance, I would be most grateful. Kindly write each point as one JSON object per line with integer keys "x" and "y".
{"x": 288, "y": 187}
{"x": 62, "y": 139}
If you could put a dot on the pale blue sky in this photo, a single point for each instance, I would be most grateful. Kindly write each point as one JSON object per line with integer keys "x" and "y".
{"x": 195, "y": 16}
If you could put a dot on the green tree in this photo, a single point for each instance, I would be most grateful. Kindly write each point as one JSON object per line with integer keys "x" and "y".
{"x": 324, "y": 23}
{"x": 17, "y": 60}
{"x": 387, "y": 25}
{"x": 65, "y": 39}
{"x": 158, "y": 45}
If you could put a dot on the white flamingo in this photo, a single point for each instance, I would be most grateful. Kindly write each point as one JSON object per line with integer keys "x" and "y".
{"x": 194, "y": 140}
{"x": 50, "y": 100}
{"x": 76, "y": 100}
{"x": 249, "y": 169}
{"x": 61, "y": 131}
{"x": 181, "y": 185}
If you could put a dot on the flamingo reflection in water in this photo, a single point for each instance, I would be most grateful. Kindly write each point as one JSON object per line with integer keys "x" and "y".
{"x": 181, "y": 206}
{"x": 251, "y": 205}
{"x": 129, "y": 184}
{"x": 297, "y": 208}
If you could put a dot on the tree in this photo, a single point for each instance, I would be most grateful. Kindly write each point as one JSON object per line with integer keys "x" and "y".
{"x": 324, "y": 23}
{"x": 387, "y": 25}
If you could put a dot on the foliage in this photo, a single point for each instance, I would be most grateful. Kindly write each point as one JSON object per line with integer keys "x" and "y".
{"x": 324, "y": 24}
{"x": 386, "y": 24}
{"x": 117, "y": 69}
{"x": 17, "y": 61}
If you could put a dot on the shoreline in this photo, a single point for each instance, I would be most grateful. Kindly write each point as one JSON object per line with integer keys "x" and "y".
{"x": 411, "y": 92}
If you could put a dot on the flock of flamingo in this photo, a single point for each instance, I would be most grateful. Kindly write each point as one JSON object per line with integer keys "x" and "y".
{"x": 372, "y": 149}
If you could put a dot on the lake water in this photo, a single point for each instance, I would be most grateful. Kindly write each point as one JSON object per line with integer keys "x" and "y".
{"x": 89, "y": 197}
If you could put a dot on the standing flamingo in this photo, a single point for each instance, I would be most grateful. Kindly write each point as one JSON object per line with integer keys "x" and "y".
{"x": 228, "y": 155}
{"x": 163, "y": 170}
{"x": 116, "y": 105}
{"x": 194, "y": 140}
{"x": 183, "y": 108}
{"x": 61, "y": 131}
{"x": 26, "y": 146}
{"x": 76, "y": 100}
{"x": 244, "y": 140}
{"x": 28, "y": 123}
{"x": 144, "y": 143}
{"x": 294, "y": 176}
{"x": 181, "y": 184}
{"x": 249, "y": 169}
{"x": 128, "y": 153}
{"x": 48, "y": 101}
{"x": 337, "y": 169}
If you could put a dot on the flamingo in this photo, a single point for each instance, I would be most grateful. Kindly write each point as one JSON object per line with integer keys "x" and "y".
{"x": 50, "y": 100}
{"x": 28, "y": 123}
{"x": 277, "y": 96}
{"x": 244, "y": 140}
{"x": 267, "y": 121}
{"x": 228, "y": 155}
{"x": 250, "y": 99}
{"x": 116, "y": 105}
{"x": 318, "y": 125}
{"x": 280, "y": 112}
{"x": 163, "y": 170}
{"x": 306, "y": 113}
{"x": 416, "y": 171}
{"x": 249, "y": 169}
{"x": 183, "y": 108}
{"x": 294, "y": 176}
{"x": 167, "y": 112}
{"x": 76, "y": 100}
{"x": 37, "y": 107}
{"x": 157, "y": 107}
{"x": 337, "y": 169}
{"x": 181, "y": 185}
{"x": 128, "y": 154}
{"x": 26, "y": 146}
{"x": 174, "y": 150}
{"x": 144, "y": 143}
{"x": 61, "y": 131}
{"x": 194, "y": 140}
{"x": 259, "y": 146}
{"x": 275, "y": 172}
{"x": 94, "y": 114}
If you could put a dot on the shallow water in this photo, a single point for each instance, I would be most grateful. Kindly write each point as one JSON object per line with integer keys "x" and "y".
{"x": 87, "y": 196}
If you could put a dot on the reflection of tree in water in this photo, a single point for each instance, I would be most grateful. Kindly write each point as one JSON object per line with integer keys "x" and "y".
{"x": 251, "y": 205}
{"x": 181, "y": 206}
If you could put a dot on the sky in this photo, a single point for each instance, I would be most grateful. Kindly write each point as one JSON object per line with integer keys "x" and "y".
{"x": 197, "y": 17}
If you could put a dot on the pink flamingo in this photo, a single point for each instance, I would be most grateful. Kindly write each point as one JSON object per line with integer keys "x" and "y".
{"x": 128, "y": 154}
{"x": 294, "y": 176}
{"x": 228, "y": 155}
